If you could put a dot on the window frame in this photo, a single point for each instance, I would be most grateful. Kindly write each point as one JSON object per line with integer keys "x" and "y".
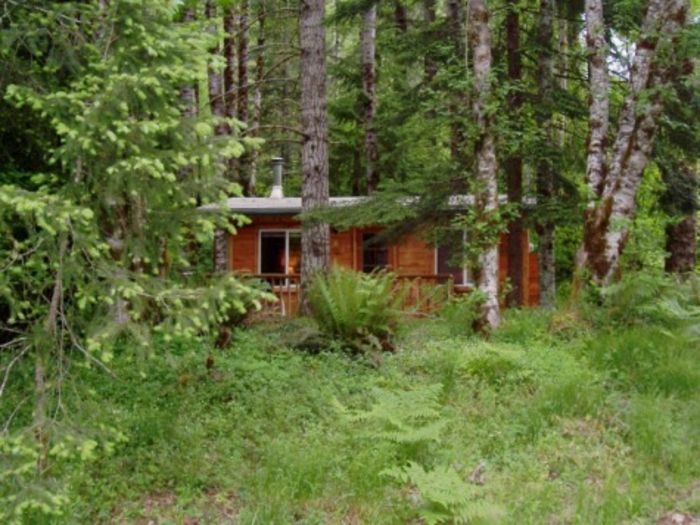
{"x": 388, "y": 265}
{"x": 466, "y": 274}
{"x": 286, "y": 232}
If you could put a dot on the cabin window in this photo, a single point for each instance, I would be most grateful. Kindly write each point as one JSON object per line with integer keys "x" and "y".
{"x": 448, "y": 261}
{"x": 280, "y": 252}
{"x": 375, "y": 254}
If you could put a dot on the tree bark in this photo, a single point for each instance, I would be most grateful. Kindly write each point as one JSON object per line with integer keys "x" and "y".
{"x": 607, "y": 224}
{"x": 681, "y": 245}
{"x": 40, "y": 415}
{"x": 599, "y": 104}
{"x": 514, "y": 163}
{"x": 218, "y": 111}
{"x": 545, "y": 172}
{"x": 257, "y": 98}
{"x": 230, "y": 64}
{"x": 455, "y": 26}
{"x": 486, "y": 194}
{"x": 188, "y": 95}
{"x": 401, "y": 16}
{"x": 368, "y": 37}
{"x": 681, "y": 203}
{"x": 243, "y": 21}
{"x": 315, "y": 238}
{"x": 243, "y": 90}
{"x": 429, "y": 61}
{"x": 215, "y": 80}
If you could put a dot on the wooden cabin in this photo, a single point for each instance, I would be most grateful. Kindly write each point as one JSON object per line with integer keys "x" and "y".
{"x": 270, "y": 248}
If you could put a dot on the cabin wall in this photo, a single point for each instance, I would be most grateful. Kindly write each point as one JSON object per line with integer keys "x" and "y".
{"x": 409, "y": 257}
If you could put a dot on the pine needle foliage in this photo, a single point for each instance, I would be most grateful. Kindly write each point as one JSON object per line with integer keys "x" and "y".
{"x": 359, "y": 309}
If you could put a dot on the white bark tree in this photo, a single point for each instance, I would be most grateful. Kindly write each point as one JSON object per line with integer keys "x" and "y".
{"x": 614, "y": 176}
{"x": 486, "y": 188}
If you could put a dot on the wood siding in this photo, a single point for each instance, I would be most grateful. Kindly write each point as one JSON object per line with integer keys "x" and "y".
{"x": 411, "y": 256}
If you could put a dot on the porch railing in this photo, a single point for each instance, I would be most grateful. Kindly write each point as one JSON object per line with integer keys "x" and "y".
{"x": 424, "y": 294}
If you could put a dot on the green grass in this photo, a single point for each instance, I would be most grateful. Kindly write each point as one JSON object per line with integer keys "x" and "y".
{"x": 573, "y": 425}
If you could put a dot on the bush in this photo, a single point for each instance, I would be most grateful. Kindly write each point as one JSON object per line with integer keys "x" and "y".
{"x": 648, "y": 298}
{"x": 358, "y": 309}
{"x": 461, "y": 312}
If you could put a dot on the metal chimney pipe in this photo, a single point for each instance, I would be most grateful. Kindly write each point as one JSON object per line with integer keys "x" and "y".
{"x": 277, "y": 191}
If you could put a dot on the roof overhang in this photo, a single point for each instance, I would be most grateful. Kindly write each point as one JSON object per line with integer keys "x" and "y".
{"x": 292, "y": 205}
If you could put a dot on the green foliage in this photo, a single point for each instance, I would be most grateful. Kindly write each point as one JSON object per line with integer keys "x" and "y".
{"x": 647, "y": 359}
{"x": 94, "y": 240}
{"x": 655, "y": 436}
{"x": 556, "y": 436}
{"x": 648, "y": 297}
{"x": 446, "y": 497}
{"x": 360, "y": 310}
{"x": 407, "y": 417}
{"x": 462, "y": 311}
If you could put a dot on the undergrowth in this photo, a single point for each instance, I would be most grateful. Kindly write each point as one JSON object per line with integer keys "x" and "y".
{"x": 560, "y": 417}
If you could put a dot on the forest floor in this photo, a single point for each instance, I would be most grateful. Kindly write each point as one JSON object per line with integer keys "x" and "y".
{"x": 552, "y": 420}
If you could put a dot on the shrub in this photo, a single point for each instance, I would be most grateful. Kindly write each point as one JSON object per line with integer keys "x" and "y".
{"x": 644, "y": 298}
{"x": 461, "y": 312}
{"x": 360, "y": 310}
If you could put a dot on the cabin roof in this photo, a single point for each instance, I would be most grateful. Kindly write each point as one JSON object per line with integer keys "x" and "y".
{"x": 292, "y": 205}
{"x": 279, "y": 205}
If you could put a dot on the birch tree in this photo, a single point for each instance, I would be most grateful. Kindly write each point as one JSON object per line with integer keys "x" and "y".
{"x": 315, "y": 237}
{"x": 613, "y": 175}
{"x": 486, "y": 191}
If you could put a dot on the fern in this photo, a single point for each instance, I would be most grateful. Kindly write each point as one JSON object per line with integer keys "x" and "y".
{"x": 356, "y": 308}
{"x": 446, "y": 497}
{"x": 407, "y": 417}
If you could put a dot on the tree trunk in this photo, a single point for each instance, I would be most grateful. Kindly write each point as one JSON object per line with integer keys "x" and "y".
{"x": 368, "y": 38}
{"x": 429, "y": 20}
{"x": 514, "y": 163}
{"x": 545, "y": 173}
{"x": 230, "y": 64}
{"x": 215, "y": 81}
{"x": 243, "y": 88}
{"x": 680, "y": 201}
{"x": 607, "y": 224}
{"x": 401, "y": 16}
{"x": 681, "y": 245}
{"x": 230, "y": 86}
{"x": 40, "y": 416}
{"x": 188, "y": 95}
{"x": 257, "y": 99}
{"x": 486, "y": 191}
{"x": 455, "y": 23}
{"x": 218, "y": 110}
{"x": 599, "y": 105}
{"x": 315, "y": 238}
